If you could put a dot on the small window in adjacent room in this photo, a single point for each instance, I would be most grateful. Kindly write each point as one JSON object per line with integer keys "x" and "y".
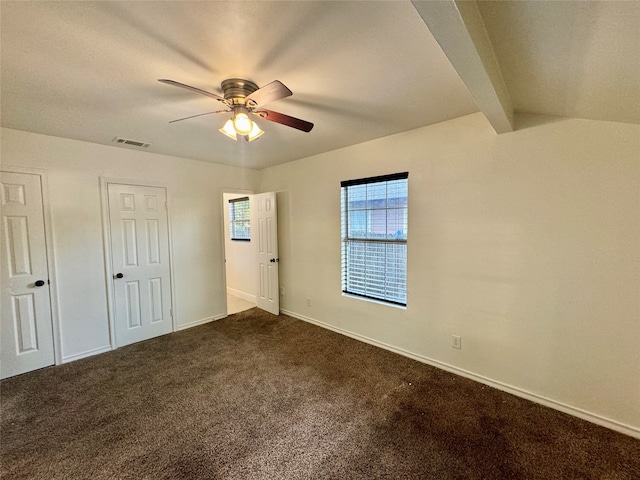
{"x": 239, "y": 224}
{"x": 374, "y": 237}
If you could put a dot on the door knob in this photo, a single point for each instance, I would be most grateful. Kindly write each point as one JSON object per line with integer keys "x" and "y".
{"x": 118, "y": 275}
{"x": 39, "y": 283}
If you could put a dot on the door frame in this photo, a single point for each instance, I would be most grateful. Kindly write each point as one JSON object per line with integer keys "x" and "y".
{"x": 223, "y": 238}
{"x": 106, "y": 238}
{"x": 50, "y": 253}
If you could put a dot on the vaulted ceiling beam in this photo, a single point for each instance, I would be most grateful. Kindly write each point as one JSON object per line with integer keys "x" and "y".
{"x": 459, "y": 29}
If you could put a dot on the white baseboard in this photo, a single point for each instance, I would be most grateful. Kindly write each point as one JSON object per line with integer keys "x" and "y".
{"x": 200, "y": 322}
{"x": 88, "y": 353}
{"x": 107, "y": 348}
{"x": 547, "y": 402}
{"x": 237, "y": 293}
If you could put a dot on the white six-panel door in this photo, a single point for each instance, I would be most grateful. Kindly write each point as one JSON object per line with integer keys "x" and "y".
{"x": 140, "y": 262}
{"x": 25, "y": 328}
{"x": 264, "y": 222}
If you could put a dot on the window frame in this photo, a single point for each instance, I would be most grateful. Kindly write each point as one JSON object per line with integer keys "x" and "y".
{"x": 346, "y": 216}
{"x": 234, "y": 222}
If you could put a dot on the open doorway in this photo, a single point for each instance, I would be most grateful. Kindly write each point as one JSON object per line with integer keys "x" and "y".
{"x": 240, "y": 252}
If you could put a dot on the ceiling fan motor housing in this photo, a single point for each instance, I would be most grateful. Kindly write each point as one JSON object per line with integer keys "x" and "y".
{"x": 237, "y": 89}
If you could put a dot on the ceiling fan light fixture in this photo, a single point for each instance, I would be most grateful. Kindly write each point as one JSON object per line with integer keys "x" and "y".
{"x": 241, "y": 121}
{"x": 228, "y": 129}
{"x": 255, "y": 132}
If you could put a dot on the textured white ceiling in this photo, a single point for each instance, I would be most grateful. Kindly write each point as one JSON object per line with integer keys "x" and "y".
{"x": 358, "y": 70}
{"x": 569, "y": 58}
{"x": 89, "y": 70}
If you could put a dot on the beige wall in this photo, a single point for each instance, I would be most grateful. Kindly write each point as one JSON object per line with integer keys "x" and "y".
{"x": 525, "y": 244}
{"x": 73, "y": 170}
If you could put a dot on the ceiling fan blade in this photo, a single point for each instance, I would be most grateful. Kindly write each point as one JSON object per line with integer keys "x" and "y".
{"x": 285, "y": 120}
{"x": 199, "y": 115}
{"x": 269, "y": 93}
{"x": 193, "y": 89}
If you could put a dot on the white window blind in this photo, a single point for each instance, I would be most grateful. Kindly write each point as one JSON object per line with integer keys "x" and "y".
{"x": 239, "y": 223}
{"x": 374, "y": 237}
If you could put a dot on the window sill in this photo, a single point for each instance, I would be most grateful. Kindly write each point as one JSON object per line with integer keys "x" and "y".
{"x": 373, "y": 300}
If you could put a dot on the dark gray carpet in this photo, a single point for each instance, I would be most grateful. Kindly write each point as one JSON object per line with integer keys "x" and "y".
{"x": 255, "y": 396}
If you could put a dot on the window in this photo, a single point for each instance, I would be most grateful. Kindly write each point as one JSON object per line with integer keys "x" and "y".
{"x": 239, "y": 223}
{"x": 374, "y": 237}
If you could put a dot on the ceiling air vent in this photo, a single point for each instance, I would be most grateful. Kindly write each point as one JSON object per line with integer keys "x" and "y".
{"x": 133, "y": 143}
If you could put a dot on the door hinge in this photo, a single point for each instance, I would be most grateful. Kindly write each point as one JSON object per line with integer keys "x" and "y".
{"x": 171, "y": 312}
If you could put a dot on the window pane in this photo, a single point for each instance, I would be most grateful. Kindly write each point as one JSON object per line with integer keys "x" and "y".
{"x": 358, "y": 197}
{"x": 377, "y": 195}
{"x": 357, "y": 224}
{"x": 397, "y": 193}
{"x": 397, "y": 223}
{"x": 376, "y": 269}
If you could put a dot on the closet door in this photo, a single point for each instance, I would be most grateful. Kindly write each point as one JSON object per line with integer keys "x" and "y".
{"x": 26, "y": 330}
{"x": 140, "y": 262}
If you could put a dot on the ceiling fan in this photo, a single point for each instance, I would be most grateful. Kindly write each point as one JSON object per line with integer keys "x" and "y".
{"x": 243, "y": 97}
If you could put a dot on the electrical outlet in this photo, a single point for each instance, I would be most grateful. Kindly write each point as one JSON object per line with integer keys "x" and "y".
{"x": 308, "y": 301}
{"x": 456, "y": 341}
{"x": 282, "y": 291}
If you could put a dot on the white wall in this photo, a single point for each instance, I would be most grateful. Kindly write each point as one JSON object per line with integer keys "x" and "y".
{"x": 73, "y": 171}
{"x": 526, "y": 244}
{"x": 241, "y": 259}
